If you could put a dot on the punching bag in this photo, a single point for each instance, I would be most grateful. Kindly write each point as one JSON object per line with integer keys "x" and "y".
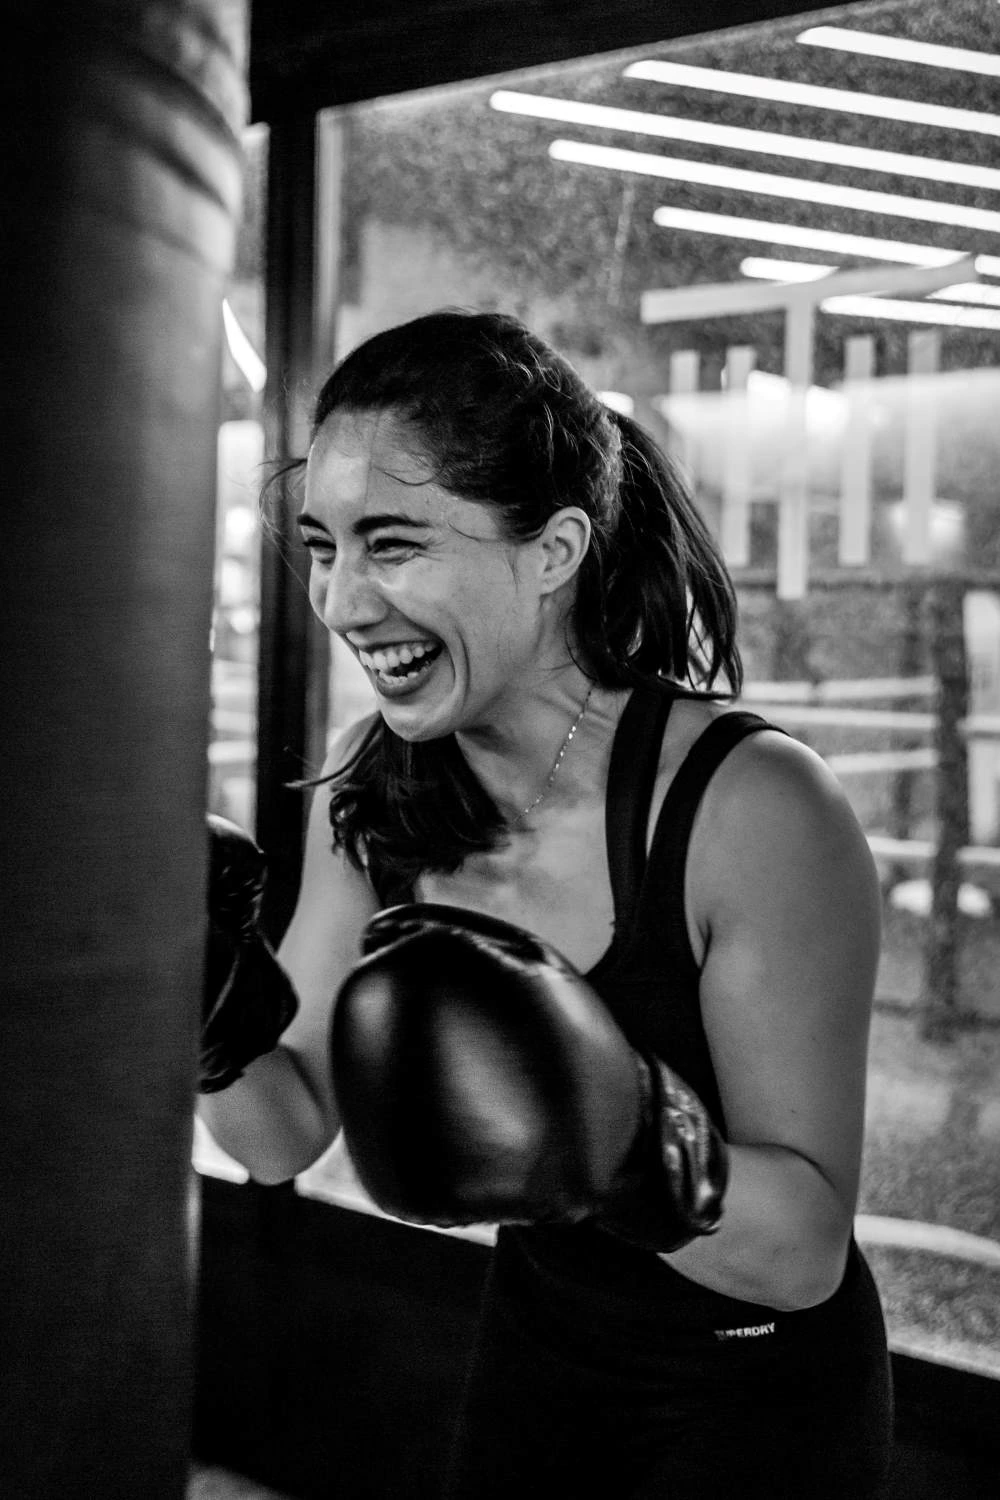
{"x": 120, "y": 192}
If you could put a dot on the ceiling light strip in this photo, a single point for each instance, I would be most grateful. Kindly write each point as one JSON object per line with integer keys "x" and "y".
{"x": 970, "y": 291}
{"x": 764, "y": 269}
{"x": 731, "y": 137}
{"x": 770, "y": 184}
{"x": 804, "y": 237}
{"x": 912, "y": 312}
{"x": 726, "y": 299}
{"x": 783, "y": 272}
{"x": 783, "y": 91}
{"x": 901, "y": 49}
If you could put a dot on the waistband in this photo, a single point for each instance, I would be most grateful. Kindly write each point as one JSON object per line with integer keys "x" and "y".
{"x": 580, "y": 1282}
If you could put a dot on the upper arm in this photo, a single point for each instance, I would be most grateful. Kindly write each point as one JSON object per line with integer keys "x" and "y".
{"x": 322, "y": 943}
{"x": 782, "y": 884}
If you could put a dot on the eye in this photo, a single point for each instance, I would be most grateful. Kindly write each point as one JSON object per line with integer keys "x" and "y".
{"x": 321, "y": 552}
{"x": 392, "y": 547}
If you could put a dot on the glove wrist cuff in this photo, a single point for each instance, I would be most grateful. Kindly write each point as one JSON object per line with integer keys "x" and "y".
{"x": 255, "y": 1005}
{"x": 671, "y": 1186}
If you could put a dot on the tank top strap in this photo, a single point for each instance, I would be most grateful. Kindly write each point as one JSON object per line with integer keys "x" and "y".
{"x": 635, "y": 759}
{"x": 661, "y": 915}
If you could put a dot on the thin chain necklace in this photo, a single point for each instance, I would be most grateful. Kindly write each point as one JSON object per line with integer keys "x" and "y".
{"x": 559, "y": 758}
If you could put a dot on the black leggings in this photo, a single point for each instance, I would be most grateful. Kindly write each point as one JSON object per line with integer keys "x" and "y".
{"x": 793, "y": 1406}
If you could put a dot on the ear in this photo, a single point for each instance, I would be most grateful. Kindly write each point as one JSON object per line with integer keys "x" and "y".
{"x": 564, "y": 544}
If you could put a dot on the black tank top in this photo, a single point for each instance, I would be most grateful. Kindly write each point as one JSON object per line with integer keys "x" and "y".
{"x": 618, "y": 1327}
{"x": 649, "y": 979}
{"x": 578, "y": 1276}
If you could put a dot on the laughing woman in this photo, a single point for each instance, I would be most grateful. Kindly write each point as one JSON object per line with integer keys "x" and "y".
{"x": 580, "y": 950}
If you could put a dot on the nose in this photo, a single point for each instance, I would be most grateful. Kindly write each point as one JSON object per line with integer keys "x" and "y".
{"x": 346, "y": 598}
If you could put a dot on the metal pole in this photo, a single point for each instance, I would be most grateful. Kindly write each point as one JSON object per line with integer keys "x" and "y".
{"x": 948, "y": 659}
{"x": 911, "y": 602}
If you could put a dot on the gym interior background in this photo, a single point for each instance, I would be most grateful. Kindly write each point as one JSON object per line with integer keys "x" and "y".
{"x": 659, "y": 190}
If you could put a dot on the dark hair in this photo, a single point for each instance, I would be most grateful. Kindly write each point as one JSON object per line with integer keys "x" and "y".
{"x": 506, "y": 421}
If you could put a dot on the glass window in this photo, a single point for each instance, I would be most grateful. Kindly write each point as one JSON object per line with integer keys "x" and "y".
{"x": 842, "y": 442}
{"x": 232, "y": 750}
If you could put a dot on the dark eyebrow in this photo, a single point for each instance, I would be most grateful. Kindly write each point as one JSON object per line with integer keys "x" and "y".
{"x": 305, "y": 519}
{"x": 388, "y": 518}
{"x": 369, "y": 523}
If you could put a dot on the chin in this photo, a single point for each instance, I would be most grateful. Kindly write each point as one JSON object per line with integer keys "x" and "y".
{"x": 413, "y": 727}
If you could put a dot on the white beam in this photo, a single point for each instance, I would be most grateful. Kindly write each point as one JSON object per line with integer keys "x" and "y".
{"x": 805, "y": 237}
{"x": 734, "y": 525}
{"x": 682, "y": 380}
{"x": 724, "y": 299}
{"x": 793, "y": 484}
{"x": 919, "y": 446}
{"x": 854, "y": 541}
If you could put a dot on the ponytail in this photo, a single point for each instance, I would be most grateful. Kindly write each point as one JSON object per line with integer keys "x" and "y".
{"x": 654, "y": 596}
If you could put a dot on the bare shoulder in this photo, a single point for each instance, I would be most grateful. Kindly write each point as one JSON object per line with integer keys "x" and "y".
{"x": 774, "y": 834}
{"x": 772, "y": 787}
{"x": 778, "y": 854}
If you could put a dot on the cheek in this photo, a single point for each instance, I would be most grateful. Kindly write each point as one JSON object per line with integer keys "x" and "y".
{"x": 500, "y": 622}
{"x": 477, "y": 610}
{"x": 317, "y": 591}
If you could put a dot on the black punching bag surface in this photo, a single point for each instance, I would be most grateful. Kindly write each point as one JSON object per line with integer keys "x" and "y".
{"x": 120, "y": 188}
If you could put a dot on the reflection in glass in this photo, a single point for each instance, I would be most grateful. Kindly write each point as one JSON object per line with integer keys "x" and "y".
{"x": 232, "y": 747}
{"x": 886, "y": 663}
{"x": 232, "y": 750}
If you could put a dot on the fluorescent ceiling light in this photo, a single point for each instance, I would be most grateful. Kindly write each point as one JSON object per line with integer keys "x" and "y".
{"x": 796, "y": 270}
{"x": 801, "y": 189}
{"x": 970, "y": 291}
{"x": 737, "y": 298}
{"x": 245, "y": 355}
{"x": 754, "y": 87}
{"x": 912, "y": 312}
{"x": 768, "y": 143}
{"x": 901, "y": 49}
{"x": 803, "y": 237}
{"x": 783, "y": 270}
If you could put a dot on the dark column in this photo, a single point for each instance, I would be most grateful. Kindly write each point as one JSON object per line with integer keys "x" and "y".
{"x": 951, "y": 671}
{"x": 293, "y": 666}
{"x": 911, "y": 656}
{"x": 120, "y": 187}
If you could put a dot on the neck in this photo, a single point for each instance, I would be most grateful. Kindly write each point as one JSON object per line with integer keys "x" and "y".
{"x": 513, "y": 758}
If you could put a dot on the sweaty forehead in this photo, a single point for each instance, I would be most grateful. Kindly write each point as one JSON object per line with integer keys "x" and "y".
{"x": 364, "y": 461}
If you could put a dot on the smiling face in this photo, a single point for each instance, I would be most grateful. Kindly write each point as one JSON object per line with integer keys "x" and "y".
{"x": 450, "y": 621}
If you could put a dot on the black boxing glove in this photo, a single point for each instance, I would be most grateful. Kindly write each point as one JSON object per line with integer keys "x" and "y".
{"x": 247, "y": 999}
{"x": 480, "y": 1079}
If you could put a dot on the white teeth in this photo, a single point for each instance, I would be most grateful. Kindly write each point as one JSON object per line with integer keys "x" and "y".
{"x": 389, "y": 658}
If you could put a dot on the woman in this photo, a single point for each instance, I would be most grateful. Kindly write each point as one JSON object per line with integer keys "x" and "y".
{"x": 543, "y": 616}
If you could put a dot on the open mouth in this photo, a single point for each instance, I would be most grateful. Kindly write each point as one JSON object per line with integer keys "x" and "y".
{"x": 392, "y": 666}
